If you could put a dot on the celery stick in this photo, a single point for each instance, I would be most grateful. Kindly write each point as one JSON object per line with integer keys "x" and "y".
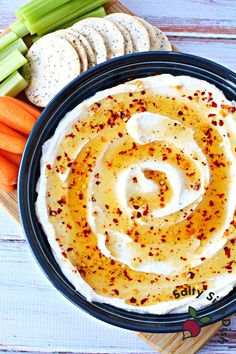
{"x": 64, "y": 14}
{"x": 11, "y": 63}
{"x": 19, "y": 44}
{"x": 99, "y": 12}
{"x": 35, "y": 38}
{"x": 19, "y": 28}
{"x": 18, "y": 14}
{"x": 8, "y": 38}
{"x": 13, "y": 85}
{"x": 37, "y": 9}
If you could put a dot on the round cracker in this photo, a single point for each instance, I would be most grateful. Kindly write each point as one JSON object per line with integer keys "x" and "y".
{"x": 158, "y": 39}
{"x": 95, "y": 39}
{"x": 87, "y": 46}
{"x": 77, "y": 45}
{"x": 129, "y": 48}
{"x": 136, "y": 29}
{"x": 113, "y": 38}
{"x": 52, "y": 64}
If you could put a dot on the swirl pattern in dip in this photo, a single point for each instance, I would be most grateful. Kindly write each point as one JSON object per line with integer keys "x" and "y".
{"x": 136, "y": 194}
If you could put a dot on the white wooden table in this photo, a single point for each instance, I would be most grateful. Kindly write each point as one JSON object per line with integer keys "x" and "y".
{"x": 34, "y": 317}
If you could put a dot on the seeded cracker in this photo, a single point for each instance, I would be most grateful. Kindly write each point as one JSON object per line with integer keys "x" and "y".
{"x": 52, "y": 64}
{"x": 87, "y": 46}
{"x": 138, "y": 32}
{"x": 95, "y": 39}
{"x": 158, "y": 39}
{"x": 77, "y": 45}
{"x": 113, "y": 38}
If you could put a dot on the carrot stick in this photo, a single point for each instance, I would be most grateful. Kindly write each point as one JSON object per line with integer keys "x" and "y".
{"x": 9, "y": 131}
{"x": 11, "y": 140}
{"x": 8, "y": 172}
{"x": 15, "y": 117}
{"x": 6, "y": 188}
{"x": 14, "y": 158}
{"x": 28, "y": 108}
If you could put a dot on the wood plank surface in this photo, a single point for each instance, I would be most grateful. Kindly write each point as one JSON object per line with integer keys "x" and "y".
{"x": 204, "y": 17}
{"x": 33, "y": 316}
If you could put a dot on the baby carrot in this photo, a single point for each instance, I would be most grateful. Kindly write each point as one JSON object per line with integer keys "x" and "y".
{"x": 28, "y": 108}
{"x": 15, "y": 117}
{"x": 7, "y": 130}
{"x": 8, "y": 172}
{"x": 7, "y": 188}
{"x": 11, "y": 140}
{"x": 14, "y": 158}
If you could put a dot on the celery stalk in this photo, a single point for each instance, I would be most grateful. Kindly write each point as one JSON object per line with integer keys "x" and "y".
{"x": 13, "y": 85}
{"x": 19, "y": 28}
{"x": 64, "y": 14}
{"x": 37, "y": 9}
{"x": 35, "y": 38}
{"x": 99, "y": 12}
{"x": 8, "y": 38}
{"x": 18, "y": 14}
{"x": 19, "y": 44}
{"x": 11, "y": 63}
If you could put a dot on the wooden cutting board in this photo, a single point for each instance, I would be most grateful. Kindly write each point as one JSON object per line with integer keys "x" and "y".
{"x": 163, "y": 343}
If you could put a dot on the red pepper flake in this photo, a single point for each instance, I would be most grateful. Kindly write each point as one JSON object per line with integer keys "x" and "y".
{"x": 135, "y": 180}
{"x": 69, "y": 226}
{"x": 211, "y": 203}
{"x": 190, "y": 98}
{"x": 214, "y": 122}
{"x": 69, "y": 249}
{"x": 49, "y": 167}
{"x": 115, "y": 221}
{"x": 232, "y": 109}
{"x": 212, "y": 229}
{"x": 112, "y": 262}
{"x": 130, "y": 94}
{"x": 70, "y": 135}
{"x": 120, "y": 134}
{"x": 196, "y": 186}
{"x": 115, "y": 291}
{"x": 143, "y": 92}
{"x": 183, "y": 258}
{"x": 139, "y": 215}
{"x": 204, "y": 287}
{"x": 58, "y": 158}
{"x": 64, "y": 254}
{"x": 221, "y": 122}
{"x": 101, "y": 126}
{"x": 132, "y": 300}
{"x": 62, "y": 201}
{"x": 203, "y": 259}
{"x": 119, "y": 212}
{"x": 213, "y": 104}
{"x": 150, "y": 254}
{"x": 233, "y": 223}
{"x": 191, "y": 275}
{"x": 211, "y": 115}
{"x": 180, "y": 113}
{"x": 143, "y": 301}
{"x": 81, "y": 196}
{"x": 127, "y": 275}
{"x": 107, "y": 206}
{"x": 227, "y": 251}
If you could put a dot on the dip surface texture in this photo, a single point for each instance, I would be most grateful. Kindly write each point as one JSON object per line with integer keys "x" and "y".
{"x": 137, "y": 194}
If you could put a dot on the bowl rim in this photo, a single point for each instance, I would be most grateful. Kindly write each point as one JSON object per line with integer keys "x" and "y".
{"x": 106, "y": 313}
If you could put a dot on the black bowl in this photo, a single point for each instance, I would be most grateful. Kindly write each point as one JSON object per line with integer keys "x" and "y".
{"x": 103, "y": 76}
